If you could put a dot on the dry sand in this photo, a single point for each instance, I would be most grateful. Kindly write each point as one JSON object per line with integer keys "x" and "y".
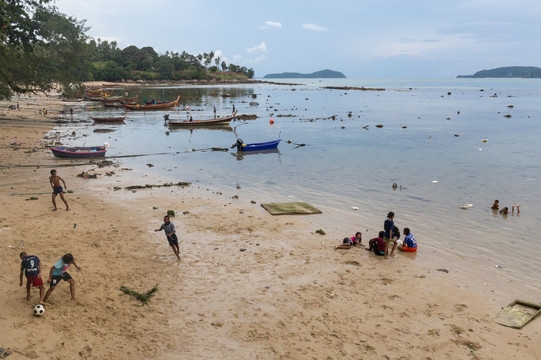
{"x": 287, "y": 296}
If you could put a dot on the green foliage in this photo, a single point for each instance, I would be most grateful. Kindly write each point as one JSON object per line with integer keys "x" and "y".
{"x": 38, "y": 47}
{"x": 143, "y": 298}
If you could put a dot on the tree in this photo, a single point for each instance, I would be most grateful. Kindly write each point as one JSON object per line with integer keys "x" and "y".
{"x": 38, "y": 47}
{"x": 224, "y": 66}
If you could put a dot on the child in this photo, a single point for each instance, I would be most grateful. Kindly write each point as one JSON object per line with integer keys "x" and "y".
{"x": 410, "y": 244}
{"x": 59, "y": 272}
{"x": 389, "y": 236}
{"x": 377, "y": 245}
{"x": 352, "y": 241}
{"x": 57, "y": 189}
{"x": 496, "y": 205}
{"x": 171, "y": 236}
{"x": 31, "y": 266}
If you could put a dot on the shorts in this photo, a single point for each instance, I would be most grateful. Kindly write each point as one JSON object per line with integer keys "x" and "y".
{"x": 376, "y": 251}
{"x": 57, "y": 190}
{"x": 35, "y": 281}
{"x": 347, "y": 241}
{"x": 56, "y": 278}
{"x": 386, "y": 239}
{"x": 408, "y": 249}
{"x": 173, "y": 240}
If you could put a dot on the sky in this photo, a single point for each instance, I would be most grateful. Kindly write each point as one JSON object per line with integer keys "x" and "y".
{"x": 362, "y": 39}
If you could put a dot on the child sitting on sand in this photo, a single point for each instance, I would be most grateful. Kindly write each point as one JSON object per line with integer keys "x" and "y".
{"x": 377, "y": 245}
{"x": 409, "y": 244}
{"x": 352, "y": 241}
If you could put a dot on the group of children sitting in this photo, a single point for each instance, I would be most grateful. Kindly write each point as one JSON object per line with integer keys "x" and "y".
{"x": 377, "y": 245}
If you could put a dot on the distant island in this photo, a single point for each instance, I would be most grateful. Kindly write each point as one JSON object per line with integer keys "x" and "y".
{"x": 323, "y": 74}
{"x": 527, "y": 72}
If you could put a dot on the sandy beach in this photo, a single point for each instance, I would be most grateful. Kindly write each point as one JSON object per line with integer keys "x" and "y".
{"x": 249, "y": 285}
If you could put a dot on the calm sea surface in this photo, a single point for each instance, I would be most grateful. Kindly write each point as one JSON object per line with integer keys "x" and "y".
{"x": 430, "y": 145}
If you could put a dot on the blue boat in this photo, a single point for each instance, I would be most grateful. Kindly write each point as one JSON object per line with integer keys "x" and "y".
{"x": 79, "y": 151}
{"x": 258, "y": 146}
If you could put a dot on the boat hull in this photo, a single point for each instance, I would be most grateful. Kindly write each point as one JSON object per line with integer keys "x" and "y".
{"x": 153, "y": 106}
{"x": 107, "y": 120}
{"x": 195, "y": 123}
{"x": 79, "y": 152}
{"x": 260, "y": 146}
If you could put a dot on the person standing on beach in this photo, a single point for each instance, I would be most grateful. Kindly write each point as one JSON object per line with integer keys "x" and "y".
{"x": 54, "y": 180}
{"x": 215, "y": 112}
{"x": 59, "y": 271}
{"x": 388, "y": 227}
{"x": 170, "y": 232}
{"x": 31, "y": 267}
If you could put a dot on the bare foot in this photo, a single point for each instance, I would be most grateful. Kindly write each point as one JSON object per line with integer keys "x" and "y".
{"x": 68, "y": 209}
{"x": 73, "y": 298}
{"x": 54, "y": 209}
{"x": 43, "y": 303}
{"x": 178, "y": 259}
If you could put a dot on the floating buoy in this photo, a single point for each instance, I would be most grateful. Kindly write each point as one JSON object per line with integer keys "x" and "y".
{"x": 355, "y": 208}
{"x": 434, "y": 181}
{"x": 484, "y": 140}
{"x": 271, "y": 121}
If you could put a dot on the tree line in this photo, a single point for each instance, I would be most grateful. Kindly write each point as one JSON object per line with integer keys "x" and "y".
{"x": 41, "y": 47}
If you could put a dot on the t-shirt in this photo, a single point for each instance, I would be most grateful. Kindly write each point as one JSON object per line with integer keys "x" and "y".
{"x": 169, "y": 228}
{"x": 354, "y": 240}
{"x": 388, "y": 227}
{"x": 380, "y": 244}
{"x": 410, "y": 241}
{"x": 60, "y": 267}
{"x": 30, "y": 264}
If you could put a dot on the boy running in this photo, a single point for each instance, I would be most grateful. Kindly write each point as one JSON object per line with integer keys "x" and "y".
{"x": 171, "y": 236}
{"x": 31, "y": 267}
{"x": 54, "y": 180}
{"x": 59, "y": 272}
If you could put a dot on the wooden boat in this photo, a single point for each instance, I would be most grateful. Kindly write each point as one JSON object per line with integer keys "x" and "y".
{"x": 196, "y": 123}
{"x": 118, "y": 100}
{"x": 158, "y": 106}
{"x": 257, "y": 146}
{"x": 78, "y": 151}
{"x": 108, "y": 120}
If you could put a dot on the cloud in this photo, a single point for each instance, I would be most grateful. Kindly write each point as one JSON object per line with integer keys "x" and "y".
{"x": 271, "y": 25}
{"x": 261, "y": 47}
{"x": 313, "y": 27}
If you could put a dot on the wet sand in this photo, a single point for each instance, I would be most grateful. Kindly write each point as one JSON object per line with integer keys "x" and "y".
{"x": 249, "y": 285}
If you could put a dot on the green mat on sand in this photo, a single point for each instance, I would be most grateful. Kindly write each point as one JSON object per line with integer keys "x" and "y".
{"x": 291, "y": 208}
{"x": 517, "y": 314}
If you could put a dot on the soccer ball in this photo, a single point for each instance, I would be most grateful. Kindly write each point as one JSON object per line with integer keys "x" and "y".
{"x": 39, "y": 310}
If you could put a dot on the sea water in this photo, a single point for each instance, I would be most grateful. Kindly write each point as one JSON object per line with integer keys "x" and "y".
{"x": 444, "y": 143}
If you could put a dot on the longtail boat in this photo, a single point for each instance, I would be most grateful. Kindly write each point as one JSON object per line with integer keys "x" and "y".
{"x": 194, "y": 123}
{"x": 158, "y": 106}
{"x": 78, "y": 151}
{"x": 118, "y": 119}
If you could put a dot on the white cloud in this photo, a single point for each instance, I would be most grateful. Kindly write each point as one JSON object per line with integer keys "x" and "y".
{"x": 313, "y": 27}
{"x": 261, "y": 47}
{"x": 271, "y": 25}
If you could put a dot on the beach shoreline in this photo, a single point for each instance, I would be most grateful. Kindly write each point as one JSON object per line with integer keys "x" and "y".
{"x": 287, "y": 295}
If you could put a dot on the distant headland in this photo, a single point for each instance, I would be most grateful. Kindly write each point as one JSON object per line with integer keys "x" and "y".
{"x": 323, "y": 74}
{"x": 526, "y": 72}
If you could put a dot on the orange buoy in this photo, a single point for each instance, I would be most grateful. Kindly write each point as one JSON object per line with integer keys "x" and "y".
{"x": 271, "y": 121}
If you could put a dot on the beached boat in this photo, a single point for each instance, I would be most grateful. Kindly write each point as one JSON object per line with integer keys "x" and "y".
{"x": 195, "y": 123}
{"x": 109, "y": 120}
{"x": 119, "y": 101}
{"x": 78, "y": 151}
{"x": 257, "y": 146}
{"x": 157, "y": 106}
